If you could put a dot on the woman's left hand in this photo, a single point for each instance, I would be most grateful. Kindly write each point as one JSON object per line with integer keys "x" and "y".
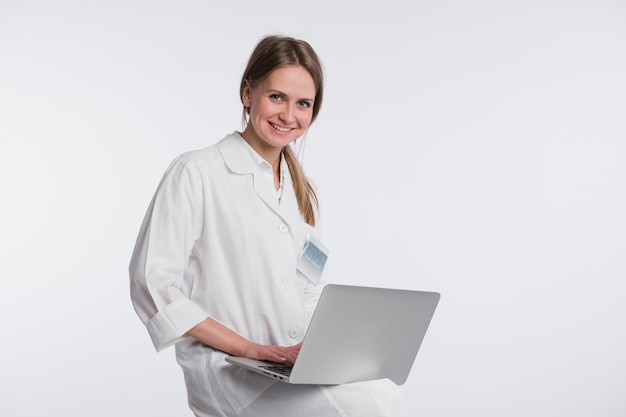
{"x": 279, "y": 354}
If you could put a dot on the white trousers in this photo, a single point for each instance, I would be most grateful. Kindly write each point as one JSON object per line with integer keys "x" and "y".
{"x": 367, "y": 399}
{"x": 218, "y": 389}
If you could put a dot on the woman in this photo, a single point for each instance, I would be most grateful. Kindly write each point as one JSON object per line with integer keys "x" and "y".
{"x": 215, "y": 268}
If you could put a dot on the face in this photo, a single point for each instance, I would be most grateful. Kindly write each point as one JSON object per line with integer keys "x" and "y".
{"x": 281, "y": 108}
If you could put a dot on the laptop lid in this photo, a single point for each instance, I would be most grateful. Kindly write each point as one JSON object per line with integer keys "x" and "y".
{"x": 359, "y": 334}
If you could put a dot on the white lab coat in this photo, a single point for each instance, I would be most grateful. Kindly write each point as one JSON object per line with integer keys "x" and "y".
{"x": 217, "y": 241}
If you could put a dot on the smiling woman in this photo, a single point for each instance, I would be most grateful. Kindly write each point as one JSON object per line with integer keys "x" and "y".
{"x": 281, "y": 110}
{"x": 216, "y": 269}
{"x": 289, "y": 64}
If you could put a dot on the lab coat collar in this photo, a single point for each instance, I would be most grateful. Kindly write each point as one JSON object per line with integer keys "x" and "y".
{"x": 241, "y": 159}
{"x": 237, "y": 154}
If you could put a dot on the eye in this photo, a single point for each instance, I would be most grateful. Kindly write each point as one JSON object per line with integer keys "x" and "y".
{"x": 276, "y": 96}
{"x": 304, "y": 103}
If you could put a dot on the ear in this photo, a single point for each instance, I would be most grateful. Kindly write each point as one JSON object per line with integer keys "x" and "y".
{"x": 245, "y": 95}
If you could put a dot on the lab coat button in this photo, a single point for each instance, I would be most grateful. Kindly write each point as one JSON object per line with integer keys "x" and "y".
{"x": 287, "y": 280}
{"x": 283, "y": 228}
{"x": 293, "y": 334}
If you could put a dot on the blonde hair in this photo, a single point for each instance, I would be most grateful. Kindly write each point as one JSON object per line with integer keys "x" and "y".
{"x": 271, "y": 53}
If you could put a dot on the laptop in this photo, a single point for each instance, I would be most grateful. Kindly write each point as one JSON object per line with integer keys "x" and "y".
{"x": 357, "y": 334}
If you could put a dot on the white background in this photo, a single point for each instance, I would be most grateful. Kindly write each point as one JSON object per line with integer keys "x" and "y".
{"x": 474, "y": 148}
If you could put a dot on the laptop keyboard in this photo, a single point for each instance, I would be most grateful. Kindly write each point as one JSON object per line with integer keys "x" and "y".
{"x": 280, "y": 369}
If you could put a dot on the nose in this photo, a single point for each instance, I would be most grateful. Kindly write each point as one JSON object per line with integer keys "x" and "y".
{"x": 287, "y": 115}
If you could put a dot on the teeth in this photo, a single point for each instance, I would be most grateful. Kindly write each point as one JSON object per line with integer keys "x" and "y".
{"x": 282, "y": 129}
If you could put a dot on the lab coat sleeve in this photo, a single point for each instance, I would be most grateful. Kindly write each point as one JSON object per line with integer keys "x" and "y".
{"x": 170, "y": 228}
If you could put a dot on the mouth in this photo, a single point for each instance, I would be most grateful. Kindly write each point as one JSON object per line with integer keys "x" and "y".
{"x": 280, "y": 128}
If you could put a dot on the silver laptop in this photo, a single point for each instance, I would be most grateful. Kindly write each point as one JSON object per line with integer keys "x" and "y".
{"x": 357, "y": 334}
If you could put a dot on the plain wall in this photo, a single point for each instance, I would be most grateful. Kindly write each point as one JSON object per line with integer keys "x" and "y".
{"x": 477, "y": 149}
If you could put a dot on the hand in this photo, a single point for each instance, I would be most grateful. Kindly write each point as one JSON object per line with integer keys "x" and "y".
{"x": 220, "y": 337}
{"x": 279, "y": 354}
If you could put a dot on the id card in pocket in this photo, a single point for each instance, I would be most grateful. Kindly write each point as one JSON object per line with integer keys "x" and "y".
{"x": 312, "y": 259}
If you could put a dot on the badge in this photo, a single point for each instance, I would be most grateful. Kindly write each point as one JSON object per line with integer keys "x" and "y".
{"x": 312, "y": 259}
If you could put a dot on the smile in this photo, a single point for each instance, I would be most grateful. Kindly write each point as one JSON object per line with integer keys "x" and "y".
{"x": 280, "y": 128}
